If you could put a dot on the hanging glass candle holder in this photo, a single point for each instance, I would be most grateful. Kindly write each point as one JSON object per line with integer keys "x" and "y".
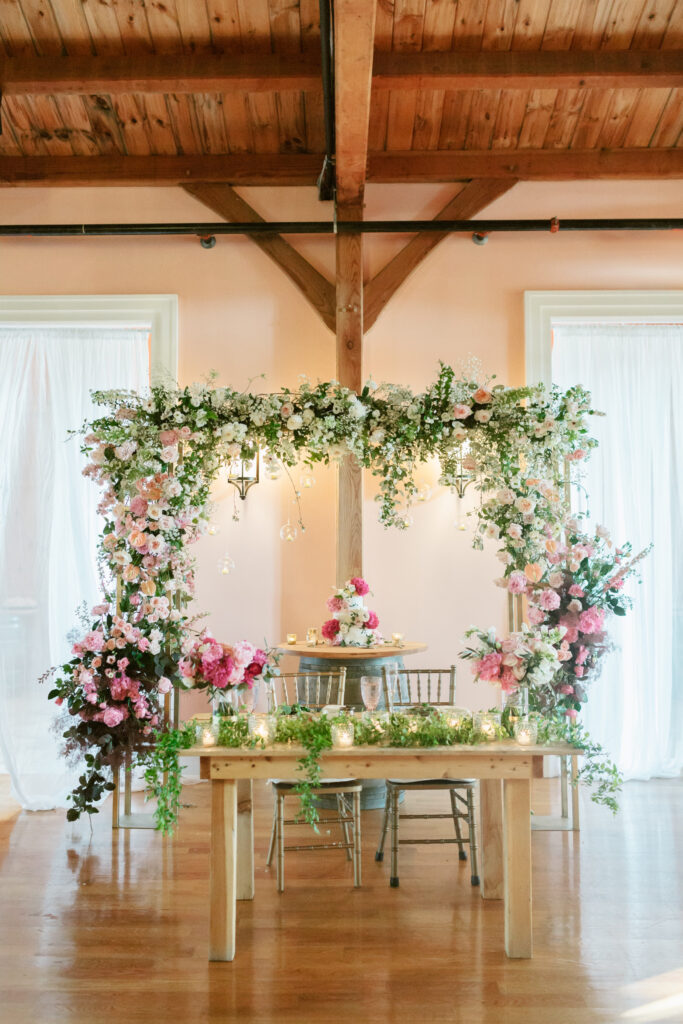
{"x": 424, "y": 494}
{"x": 306, "y": 481}
{"x": 225, "y": 565}
{"x": 288, "y": 532}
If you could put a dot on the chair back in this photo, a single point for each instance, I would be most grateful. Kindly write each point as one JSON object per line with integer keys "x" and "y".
{"x": 314, "y": 689}
{"x": 405, "y": 687}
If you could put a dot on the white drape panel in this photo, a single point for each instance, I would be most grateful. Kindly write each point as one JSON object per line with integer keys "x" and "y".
{"x": 634, "y": 485}
{"x": 48, "y": 528}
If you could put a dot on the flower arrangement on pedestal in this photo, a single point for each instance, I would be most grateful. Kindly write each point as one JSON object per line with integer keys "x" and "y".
{"x": 222, "y": 668}
{"x": 352, "y": 623}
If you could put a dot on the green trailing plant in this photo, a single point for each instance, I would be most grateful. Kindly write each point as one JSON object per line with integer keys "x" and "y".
{"x": 163, "y": 774}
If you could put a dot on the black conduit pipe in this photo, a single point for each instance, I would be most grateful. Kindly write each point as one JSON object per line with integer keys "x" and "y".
{"x": 327, "y": 227}
{"x": 326, "y": 180}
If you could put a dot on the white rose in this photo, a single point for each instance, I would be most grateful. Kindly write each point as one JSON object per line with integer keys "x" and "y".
{"x": 308, "y": 415}
{"x": 574, "y": 606}
{"x": 482, "y": 415}
{"x": 525, "y": 505}
{"x": 514, "y": 530}
{"x": 492, "y": 531}
{"x": 505, "y": 496}
{"x": 377, "y": 436}
{"x": 357, "y": 410}
{"x": 286, "y": 410}
{"x": 460, "y": 433}
{"x": 556, "y": 579}
{"x": 257, "y": 418}
{"x": 295, "y": 422}
{"x": 169, "y": 454}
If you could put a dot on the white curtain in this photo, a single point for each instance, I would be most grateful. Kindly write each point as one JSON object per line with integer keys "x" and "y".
{"x": 48, "y": 529}
{"x": 634, "y": 486}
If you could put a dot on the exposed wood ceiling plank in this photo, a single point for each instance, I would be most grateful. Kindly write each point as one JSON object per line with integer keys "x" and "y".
{"x": 315, "y": 288}
{"x": 472, "y": 198}
{"x": 250, "y": 72}
{"x": 303, "y": 168}
{"x": 354, "y": 36}
{"x": 545, "y": 69}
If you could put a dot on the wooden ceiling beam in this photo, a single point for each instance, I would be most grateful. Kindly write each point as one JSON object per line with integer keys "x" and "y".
{"x": 474, "y": 197}
{"x": 179, "y": 73}
{"x": 354, "y": 36}
{"x": 235, "y": 169}
{"x": 525, "y": 165}
{"x": 571, "y": 69}
{"x": 316, "y": 289}
{"x": 303, "y": 168}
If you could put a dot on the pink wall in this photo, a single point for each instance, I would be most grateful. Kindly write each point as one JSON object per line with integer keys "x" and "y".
{"x": 240, "y": 316}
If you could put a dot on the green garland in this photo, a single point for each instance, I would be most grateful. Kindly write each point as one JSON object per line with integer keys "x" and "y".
{"x": 425, "y": 727}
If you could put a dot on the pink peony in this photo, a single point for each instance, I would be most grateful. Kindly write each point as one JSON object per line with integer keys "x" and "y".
{"x": 113, "y": 717}
{"x": 576, "y": 591}
{"x": 536, "y": 616}
{"x": 508, "y": 680}
{"x": 138, "y": 506}
{"x": 335, "y": 604}
{"x": 549, "y": 600}
{"x": 592, "y": 620}
{"x": 330, "y": 629}
{"x": 100, "y": 609}
{"x": 94, "y": 641}
{"x": 359, "y": 585}
{"x": 168, "y": 437}
{"x": 579, "y": 670}
{"x": 243, "y": 654}
{"x": 488, "y": 667}
{"x": 373, "y": 621}
{"x": 516, "y": 582}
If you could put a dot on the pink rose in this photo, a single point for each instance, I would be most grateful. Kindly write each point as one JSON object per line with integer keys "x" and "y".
{"x": 330, "y": 629}
{"x": 164, "y": 685}
{"x": 566, "y": 689}
{"x": 138, "y": 506}
{"x": 359, "y": 585}
{"x": 168, "y": 437}
{"x": 461, "y": 412}
{"x": 481, "y": 396}
{"x": 592, "y": 620}
{"x": 100, "y": 609}
{"x": 579, "y": 670}
{"x": 373, "y": 621}
{"x": 576, "y": 591}
{"x": 577, "y": 455}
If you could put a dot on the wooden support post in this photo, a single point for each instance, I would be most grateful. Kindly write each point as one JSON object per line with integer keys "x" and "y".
{"x": 517, "y": 849}
{"x": 491, "y": 841}
{"x": 350, "y": 374}
{"x": 245, "y": 840}
{"x": 223, "y": 874}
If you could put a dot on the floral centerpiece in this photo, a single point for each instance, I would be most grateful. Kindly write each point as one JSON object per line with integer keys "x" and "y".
{"x": 352, "y": 623}
{"x": 530, "y": 658}
{"x": 223, "y": 669}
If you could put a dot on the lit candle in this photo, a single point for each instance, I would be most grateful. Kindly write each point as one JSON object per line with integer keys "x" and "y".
{"x": 291, "y": 638}
{"x": 526, "y": 732}
{"x": 397, "y": 639}
{"x": 312, "y": 637}
{"x": 208, "y": 737}
{"x": 263, "y": 727}
{"x": 342, "y": 735}
{"x": 487, "y": 723}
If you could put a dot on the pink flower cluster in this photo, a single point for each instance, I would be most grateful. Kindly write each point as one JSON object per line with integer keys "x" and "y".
{"x": 210, "y": 664}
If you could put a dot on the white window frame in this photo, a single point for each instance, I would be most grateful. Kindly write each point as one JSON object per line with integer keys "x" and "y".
{"x": 158, "y": 313}
{"x": 542, "y": 310}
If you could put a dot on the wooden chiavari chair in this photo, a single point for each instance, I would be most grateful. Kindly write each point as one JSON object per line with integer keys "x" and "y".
{"x": 403, "y": 689}
{"x": 315, "y": 690}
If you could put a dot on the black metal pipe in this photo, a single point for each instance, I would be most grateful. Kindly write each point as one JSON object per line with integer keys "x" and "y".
{"x": 326, "y": 179}
{"x": 328, "y": 227}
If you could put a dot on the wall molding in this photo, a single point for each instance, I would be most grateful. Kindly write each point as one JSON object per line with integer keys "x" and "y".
{"x": 157, "y": 312}
{"x": 543, "y": 309}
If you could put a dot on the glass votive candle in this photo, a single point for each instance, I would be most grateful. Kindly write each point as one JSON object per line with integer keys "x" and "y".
{"x": 263, "y": 727}
{"x": 526, "y": 732}
{"x": 397, "y": 639}
{"x": 342, "y": 734}
{"x": 208, "y": 733}
{"x": 456, "y": 717}
{"x": 312, "y": 637}
{"x": 291, "y": 638}
{"x": 487, "y": 723}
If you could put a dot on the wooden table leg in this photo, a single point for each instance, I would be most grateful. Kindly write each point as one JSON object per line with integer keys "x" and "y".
{"x": 576, "y": 824}
{"x": 517, "y": 858}
{"x": 491, "y": 844}
{"x": 223, "y": 876}
{"x": 245, "y": 840}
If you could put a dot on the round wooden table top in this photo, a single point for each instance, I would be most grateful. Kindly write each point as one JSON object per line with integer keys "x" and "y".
{"x": 302, "y": 650}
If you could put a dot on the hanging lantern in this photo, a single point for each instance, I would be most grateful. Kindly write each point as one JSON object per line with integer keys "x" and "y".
{"x": 225, "y": 565}
{"x": 288, "y": 532}
{"x": 243, "y": 474}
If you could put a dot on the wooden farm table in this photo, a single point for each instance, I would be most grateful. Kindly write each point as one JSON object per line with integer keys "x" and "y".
{"x": 504, "y": 768}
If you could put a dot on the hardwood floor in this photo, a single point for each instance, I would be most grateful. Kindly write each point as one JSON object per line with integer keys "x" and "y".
{"x": 100, "y": 928}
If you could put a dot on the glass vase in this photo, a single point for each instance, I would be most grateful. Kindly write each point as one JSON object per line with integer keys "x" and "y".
{"x": 235, "y": 700}
{"x": 517, "y": 701}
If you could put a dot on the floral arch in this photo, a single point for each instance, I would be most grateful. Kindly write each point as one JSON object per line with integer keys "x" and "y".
{"x": 155, "y": 457}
